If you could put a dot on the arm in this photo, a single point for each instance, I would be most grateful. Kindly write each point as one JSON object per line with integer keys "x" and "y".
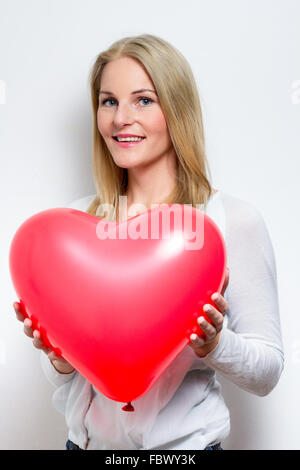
{"x": 250, "y": 353}
{"x": 55, "y": 377}
{"x": 57, "y": 369}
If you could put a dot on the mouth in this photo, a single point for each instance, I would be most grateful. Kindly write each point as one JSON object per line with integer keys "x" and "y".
{"x": 116, "y": 139}
{"x": 128, "y": 143}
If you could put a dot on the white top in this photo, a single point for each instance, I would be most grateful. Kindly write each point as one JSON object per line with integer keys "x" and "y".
{"x": 185, "y": 409}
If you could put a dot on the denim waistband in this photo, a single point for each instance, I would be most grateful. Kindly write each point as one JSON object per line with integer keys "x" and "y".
{"x": 71, "y": 446}
{"x": 214, "y": 447}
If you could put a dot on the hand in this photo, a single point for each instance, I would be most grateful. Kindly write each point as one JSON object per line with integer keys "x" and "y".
{"x": 60, "y": 364}
{"x": 212, "y": 331}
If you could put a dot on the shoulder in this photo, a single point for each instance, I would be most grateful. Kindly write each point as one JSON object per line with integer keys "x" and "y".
{"x": 240, "y": 213}
{"x": 82, "y": 203}
{"x": 245, "y": 224}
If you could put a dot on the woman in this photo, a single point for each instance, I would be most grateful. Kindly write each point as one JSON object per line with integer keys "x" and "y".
{"x": 143, "y": 86}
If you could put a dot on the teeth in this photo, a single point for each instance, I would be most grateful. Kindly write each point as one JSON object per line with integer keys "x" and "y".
{"x": 129, "y": 139}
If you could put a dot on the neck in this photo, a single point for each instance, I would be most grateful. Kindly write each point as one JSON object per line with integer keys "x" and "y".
{"x": 152, "y": 183}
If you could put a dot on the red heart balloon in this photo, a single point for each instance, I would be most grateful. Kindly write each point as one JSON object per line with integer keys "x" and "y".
{"x": 118, "y": 309}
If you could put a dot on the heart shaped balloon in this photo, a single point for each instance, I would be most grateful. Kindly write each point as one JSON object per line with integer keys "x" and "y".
{"x": 118, "y": 300}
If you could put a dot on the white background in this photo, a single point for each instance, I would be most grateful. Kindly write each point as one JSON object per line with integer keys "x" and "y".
{"x": 245, "y": 57}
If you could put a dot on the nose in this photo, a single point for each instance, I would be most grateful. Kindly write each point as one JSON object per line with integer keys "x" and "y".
{"x": 124, "y": 114}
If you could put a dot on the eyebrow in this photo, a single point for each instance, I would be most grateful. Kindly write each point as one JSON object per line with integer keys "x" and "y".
{"x": 132, "y": 93}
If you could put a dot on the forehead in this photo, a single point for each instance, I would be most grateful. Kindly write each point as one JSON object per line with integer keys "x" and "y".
{"x": 124, "y": 72}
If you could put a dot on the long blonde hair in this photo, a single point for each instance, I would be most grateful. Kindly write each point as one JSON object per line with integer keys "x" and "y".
{"x": 177, "y": 91}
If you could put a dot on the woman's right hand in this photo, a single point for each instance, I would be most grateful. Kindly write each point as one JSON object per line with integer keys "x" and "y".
{"x": 60, "y": 364}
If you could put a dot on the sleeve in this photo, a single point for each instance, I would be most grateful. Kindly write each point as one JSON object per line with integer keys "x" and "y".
{"x": 54, "y": 377}
{"x": 250, "y": 351}
{"x": 81, "y": 204}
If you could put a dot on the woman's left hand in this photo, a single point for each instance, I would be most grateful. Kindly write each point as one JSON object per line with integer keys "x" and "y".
{"x": 212, "y": 331}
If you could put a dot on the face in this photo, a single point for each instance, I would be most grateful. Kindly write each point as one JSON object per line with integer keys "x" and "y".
{"x": 124, "y": 111}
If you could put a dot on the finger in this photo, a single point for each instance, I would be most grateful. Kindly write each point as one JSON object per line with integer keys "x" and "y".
{"x": 28, "y": 327}
{"x": 37, "y": 341}
{"x": 20, "y": 315}
{"x": 196, "y": 340}
{"x": 53, "y": 357}
{"x": 215, "y": 316}
{"x": 220, "y": 302}
{"x": 207, "y": 328}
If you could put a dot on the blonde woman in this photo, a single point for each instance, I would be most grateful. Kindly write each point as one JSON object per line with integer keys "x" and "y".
{"x": 142, "y": 86}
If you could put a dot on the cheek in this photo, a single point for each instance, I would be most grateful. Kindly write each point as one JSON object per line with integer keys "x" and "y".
{"x": 158, "y": 125}
{"x": 98, "y": 121}
{"x": 101, "y": 123}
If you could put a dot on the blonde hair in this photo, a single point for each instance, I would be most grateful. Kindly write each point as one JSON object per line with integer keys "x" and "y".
{"x": 177, "y": 91}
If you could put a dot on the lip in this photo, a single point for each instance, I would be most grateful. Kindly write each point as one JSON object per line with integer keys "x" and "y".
{"x": 127, "y": 144}
{"x": 128, "y": 135}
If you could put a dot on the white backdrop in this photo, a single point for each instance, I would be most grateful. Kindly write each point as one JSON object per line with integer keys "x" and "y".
{"x": 245, "y": 57}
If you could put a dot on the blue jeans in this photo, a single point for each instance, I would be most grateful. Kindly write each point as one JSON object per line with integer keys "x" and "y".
{"x": 214, "y": 447}
{"x": 71, "y": 446}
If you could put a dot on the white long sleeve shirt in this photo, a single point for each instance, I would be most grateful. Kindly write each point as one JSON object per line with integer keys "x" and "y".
{"x": 185, "y": 409}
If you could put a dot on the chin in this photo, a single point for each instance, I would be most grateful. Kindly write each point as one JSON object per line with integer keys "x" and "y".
{"x": 127, "y": 163}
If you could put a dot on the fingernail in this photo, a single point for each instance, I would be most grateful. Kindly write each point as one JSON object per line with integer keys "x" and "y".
{"x": 215, "y": 296}
{"x": 206, "y": 308}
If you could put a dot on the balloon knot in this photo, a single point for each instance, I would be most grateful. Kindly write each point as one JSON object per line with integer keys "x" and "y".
{"x": 128, "y": 407}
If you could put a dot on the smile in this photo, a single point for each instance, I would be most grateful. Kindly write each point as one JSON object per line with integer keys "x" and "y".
{"x": 128, "y": 143}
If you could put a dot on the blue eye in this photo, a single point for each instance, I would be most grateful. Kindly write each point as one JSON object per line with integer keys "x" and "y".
{"x": 141, "y": 98}
{"x": 104, "y": 101}
{"x": 146, "y": 99}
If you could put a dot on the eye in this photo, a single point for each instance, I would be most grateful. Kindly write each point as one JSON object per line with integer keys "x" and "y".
{"x": 141, "y": 98}
{"x": 107, "y": 99}
{"x": 146, "y": 99}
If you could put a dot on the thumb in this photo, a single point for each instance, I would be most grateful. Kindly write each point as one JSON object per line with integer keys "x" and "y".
{"x": 226, "y": 281}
